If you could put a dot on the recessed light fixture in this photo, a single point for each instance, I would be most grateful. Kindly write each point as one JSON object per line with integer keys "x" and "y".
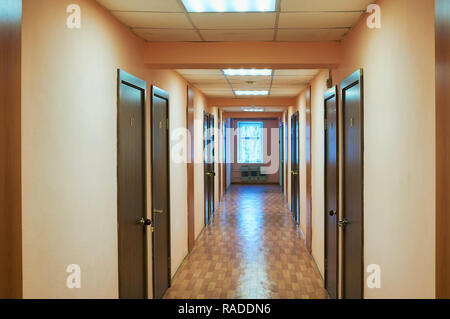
{"x": 247, "y": 72}
{"x": 230, "y": 5}
{"x": 251, "y": 92}
{"x": 252, "y": 109}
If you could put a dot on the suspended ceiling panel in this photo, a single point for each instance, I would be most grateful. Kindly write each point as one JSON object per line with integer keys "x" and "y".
{"x": 153, "y": 35}
{"x": 142, "y": 5}
{"x": 214, "y": 21}
{"x": 311, "y": 35}
{"x": 282, "y": 83}
{"x": 310, "y": 20}
{"x": 324, "y": 5}
{"x": 238, "y": 35}
{"x": 294, "y": 20}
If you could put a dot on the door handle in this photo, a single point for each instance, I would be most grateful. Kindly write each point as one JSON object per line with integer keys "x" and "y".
{"x": 294, "y": 172}
{"x": 144, "y": 222}
{"x": 158, "y": 211}
{"x": 343, "y": 222}
{"x": 332, "y": 213}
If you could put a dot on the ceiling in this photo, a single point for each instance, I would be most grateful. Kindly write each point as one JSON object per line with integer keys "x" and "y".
{"x": 294, "y": 20}
{"x": 282, "y": 83}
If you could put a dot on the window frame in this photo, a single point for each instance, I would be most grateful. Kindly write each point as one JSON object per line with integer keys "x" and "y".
{"x": 261, "y": 127}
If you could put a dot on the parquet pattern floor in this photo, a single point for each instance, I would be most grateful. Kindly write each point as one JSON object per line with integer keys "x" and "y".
{"x": 252, "y": 250}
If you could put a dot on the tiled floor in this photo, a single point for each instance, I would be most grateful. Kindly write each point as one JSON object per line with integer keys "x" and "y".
{"x": 252, "y": 250}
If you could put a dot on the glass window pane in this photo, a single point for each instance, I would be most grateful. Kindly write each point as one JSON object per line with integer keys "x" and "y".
{"x": 250, "y": 148}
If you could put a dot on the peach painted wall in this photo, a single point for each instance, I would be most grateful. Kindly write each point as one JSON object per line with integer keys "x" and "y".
{"x": 399, "y": 202}
{"x": 200, "y": 105}
{"x": 318, "y": 88}
{"x": 69, "y": 143}
{"x": 398, "y": 62}
{"x": 69, "y": 146}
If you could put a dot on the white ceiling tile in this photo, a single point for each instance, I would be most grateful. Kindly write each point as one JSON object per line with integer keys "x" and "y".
{"x": 312, "y": 72}
{"x": 216, "y": 21}
{"x": 200, "y": 72}
{"x": 161, "y": 35}
{"x": 237, "y": 35}
{"x": 319, "y": 20}
{"x": 154, "y": 20}
{"x": 142, "y": 5}
{"x": 311, "y": 35}
{"x": 325, "y": 5}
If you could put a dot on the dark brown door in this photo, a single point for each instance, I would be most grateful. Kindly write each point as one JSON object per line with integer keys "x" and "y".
{"x": 207, "y": 173}
{"x": 131, "y": 174}
{"x": 442, "y": 9}
{"x": 190, "y": 168}
{"x": 10, "y": 149}
{"x": 295, "y": 198}
{"x": 208, "y": 123}
{"x": 352, "y": 222}
{"x": 331, "y": 192}
{"x": 160, "y": 192}
{"x": 308, "y": 172}
{"x": 281, "y": 157}
{"x": 211, "y": 168}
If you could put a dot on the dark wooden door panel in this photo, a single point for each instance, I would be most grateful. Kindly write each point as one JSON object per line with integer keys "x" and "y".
{"x": 281, "y": 156}
{"x": 295, "y": 194}
{"x": 206, "y": 182}
{"x": 212, "y": 185}
{"x": 190, "y": 169}
{"x": 10, "y": 149}
{"x": 131, "y": 187}
{"x": 331, "y": 192}
{"x": 442, "y": 9}
{"x": 160, "y": 192}
{"x": 352, "y": 108}
{"x": 308, "y": 173}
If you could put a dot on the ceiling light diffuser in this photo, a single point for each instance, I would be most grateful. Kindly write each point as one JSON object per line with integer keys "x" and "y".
{"x": 247, "y": 72}
{"x": 230, "y": 5}
{"x": 251, "y": 92}
{"x": 253, "y": 109}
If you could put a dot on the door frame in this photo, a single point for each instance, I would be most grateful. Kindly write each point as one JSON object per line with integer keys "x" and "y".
{"x": 131, "y": 80}
{"x": 296, "y": 215}
{"x": 332, "y": 93}
{"x": 350, "y": 81}
{"x": 157, "y": 92}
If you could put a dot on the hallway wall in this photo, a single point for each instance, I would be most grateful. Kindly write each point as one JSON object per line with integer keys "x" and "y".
{"x": 70, "y": 148}
{"x": 200, "y": 105}
{"x": 399, "y": 80}
{"x": 398, "y": 62}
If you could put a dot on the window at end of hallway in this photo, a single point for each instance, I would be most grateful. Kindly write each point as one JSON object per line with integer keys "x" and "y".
{"x": 250, "y": 145}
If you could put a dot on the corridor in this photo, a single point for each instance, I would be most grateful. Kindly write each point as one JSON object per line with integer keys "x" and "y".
{"x": 252, "y": 250}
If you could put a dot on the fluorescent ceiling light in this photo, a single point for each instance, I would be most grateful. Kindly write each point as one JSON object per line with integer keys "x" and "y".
{"x": 251, "y": 92}
{"x": 247, "y": 72}
{"x": 252, "y": 109}
{"x": 230, "y": 5}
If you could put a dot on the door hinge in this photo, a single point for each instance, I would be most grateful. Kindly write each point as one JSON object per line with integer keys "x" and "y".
{"x": 326, "y": 124}
{"x": 153, "y": 229}
{"x": 167, "y": 124}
